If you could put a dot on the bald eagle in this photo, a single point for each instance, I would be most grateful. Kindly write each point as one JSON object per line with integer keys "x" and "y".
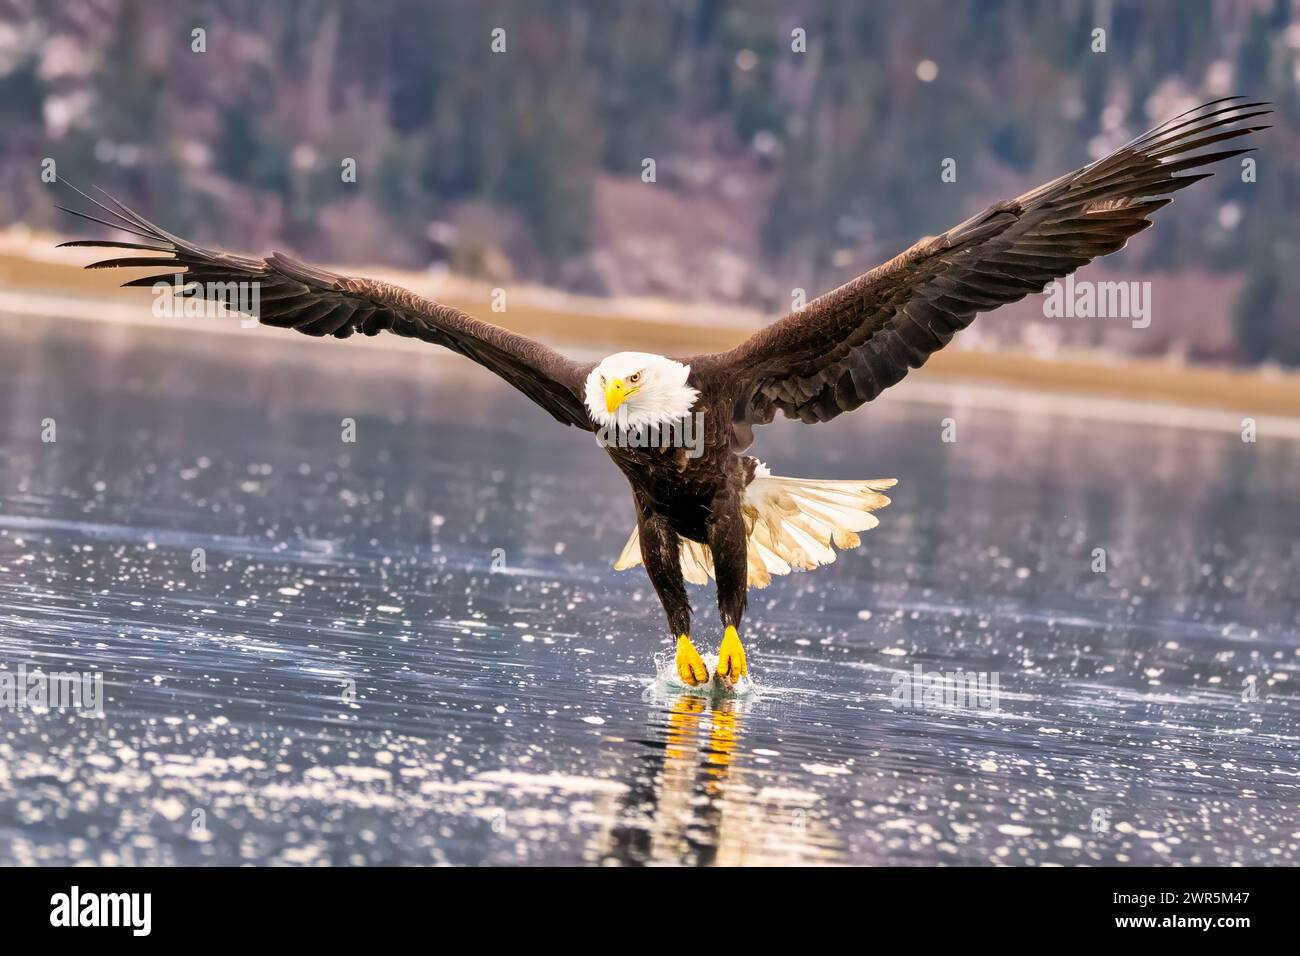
{"x": 678, "y": 429}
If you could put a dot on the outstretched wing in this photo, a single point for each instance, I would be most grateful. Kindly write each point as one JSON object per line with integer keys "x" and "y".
{"x": 292, "y": 294}
{"x": 846, "y": 347}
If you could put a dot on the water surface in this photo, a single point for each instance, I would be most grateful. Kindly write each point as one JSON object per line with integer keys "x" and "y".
{"x": 412, "y": 648}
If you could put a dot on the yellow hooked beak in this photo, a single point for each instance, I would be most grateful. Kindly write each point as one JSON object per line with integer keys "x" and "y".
{"x": 616, "y": 394}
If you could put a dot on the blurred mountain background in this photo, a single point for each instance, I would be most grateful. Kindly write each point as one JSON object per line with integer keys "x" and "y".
{"x": 794, "y": 143}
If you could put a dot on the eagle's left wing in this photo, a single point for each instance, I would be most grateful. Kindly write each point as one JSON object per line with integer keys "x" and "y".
{"x": 846, "y": 347}
{"x": 292, "y": 294}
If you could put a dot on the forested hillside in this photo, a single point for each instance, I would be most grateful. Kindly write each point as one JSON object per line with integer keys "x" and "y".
{"x": 788, "y": 144}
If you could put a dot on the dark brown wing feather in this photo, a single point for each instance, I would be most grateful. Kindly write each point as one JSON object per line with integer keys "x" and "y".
{"x": 846, "y": 347}
{"x": 292, "y": 294}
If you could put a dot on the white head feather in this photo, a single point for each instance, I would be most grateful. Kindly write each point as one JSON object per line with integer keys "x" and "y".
{"x": 656, "y": 390}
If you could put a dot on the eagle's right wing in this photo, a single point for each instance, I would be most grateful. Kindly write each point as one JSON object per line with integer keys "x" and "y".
{"x": 292, "y": 294}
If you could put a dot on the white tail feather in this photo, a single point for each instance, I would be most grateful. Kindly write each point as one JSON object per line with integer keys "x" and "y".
{"x": 791, "y": 524}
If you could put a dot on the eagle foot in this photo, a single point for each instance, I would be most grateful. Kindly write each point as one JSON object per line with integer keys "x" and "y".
{"x": 731, "y": 659}
{"x": 690, "y": 666}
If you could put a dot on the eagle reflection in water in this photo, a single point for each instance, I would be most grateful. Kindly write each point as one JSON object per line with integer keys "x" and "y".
{"x": 691, "y": 800}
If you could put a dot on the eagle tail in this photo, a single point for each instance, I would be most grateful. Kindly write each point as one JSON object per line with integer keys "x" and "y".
{"x": 791, "y": 524}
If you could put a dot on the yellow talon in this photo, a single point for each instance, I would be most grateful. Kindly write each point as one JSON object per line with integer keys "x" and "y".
{"x": 731, "y": 658}
{"x": 690, "y": 667}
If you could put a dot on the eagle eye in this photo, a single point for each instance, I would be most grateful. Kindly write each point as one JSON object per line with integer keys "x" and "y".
{"x": 634, "y": 378}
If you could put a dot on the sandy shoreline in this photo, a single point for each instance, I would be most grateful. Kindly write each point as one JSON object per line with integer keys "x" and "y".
{"x": 36, "y": 280}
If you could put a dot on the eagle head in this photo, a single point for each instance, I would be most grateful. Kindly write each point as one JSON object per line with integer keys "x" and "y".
{"x": 637, "y": 389}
